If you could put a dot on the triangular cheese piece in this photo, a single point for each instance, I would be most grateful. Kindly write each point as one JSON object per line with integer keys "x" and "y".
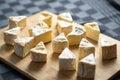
{"x": 92, "y": 30}
{"x": 11, "y": 34}
{"x": 17, "y": 21}
{"x": 108, "y": 49}
{"x": 44, "y": 35}
{"x": 64, "y": 27}
{"x": 89, "y": 59}
{"x": 60, "y": 38}
{"x": 22, "y": 46}
{"x": 17, "y": 18}
{"x": 87, "y": 67}
{"x": 47, "y": 18}
{"x": 40, "y": 48}
{"x": 39, "y": 53}
{"x": 66, "y": 54}
{"x": 67, "y": 60}
{"x": 59, "y": 43}
{"x": 76, "y": 35}
{"x": 85, "y": 48}
{"x": 65, "y": 16}
{"x": 13, "y": 31}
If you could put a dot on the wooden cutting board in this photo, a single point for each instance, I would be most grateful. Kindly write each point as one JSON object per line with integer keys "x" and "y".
{"x": 50, "y": 70}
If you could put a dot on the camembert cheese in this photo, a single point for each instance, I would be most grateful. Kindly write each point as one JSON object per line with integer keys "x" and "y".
{"x": 44, "y": 35}
{"x": 22, "y": 46}
{"x": 64, "y": 27}
{"x": 59, "y": 43}
{"x": 11, "y": 34}
{"x": 108, "y": 49}
{"x": 39, "y": 53}
{"x": 67, "y": 60}
{"x": 86, "y": 67}
{"x": 17, "y": 21}
{"x": 85, "y": 48}
{"x": 40, "y": 25}
{"x": 65, "y": 17}
{"x": 47, "y": 18}
{"x": 76, "y": 35}
{"x": 92, "y": 30}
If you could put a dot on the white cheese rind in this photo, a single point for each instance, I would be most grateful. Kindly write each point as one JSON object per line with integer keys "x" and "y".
{"x": 87, "y": 66}
{"x": 47, "y": 18}
{"x": 59, "y": 43}
{"x": 10, "y": 35}
{"x": 17, "y": 21}
{"x": 64, "y": 27}
{"x": 44, "y": 35}
{"x": 65, "y": 17}
{"x": 92, "y": 30}
{"x": 76, "y": 35}
{"x": 22, "y": 46}
{"x": 39, "y": 53}
{"x": 108, "y": 50}
{"x": 67, "y": 60}
{"x": 85, "y": 48}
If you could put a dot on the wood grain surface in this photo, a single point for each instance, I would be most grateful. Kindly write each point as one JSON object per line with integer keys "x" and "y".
{"x": 50, "y": 69}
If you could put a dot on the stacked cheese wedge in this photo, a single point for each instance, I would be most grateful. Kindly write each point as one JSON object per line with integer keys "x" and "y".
{"x": 69, "y": 34}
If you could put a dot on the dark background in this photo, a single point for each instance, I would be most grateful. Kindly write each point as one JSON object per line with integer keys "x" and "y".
{"x": 82, "y": 11}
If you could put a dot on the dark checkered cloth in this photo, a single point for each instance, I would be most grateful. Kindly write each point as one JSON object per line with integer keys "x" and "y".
{"x": 82, "y": 11}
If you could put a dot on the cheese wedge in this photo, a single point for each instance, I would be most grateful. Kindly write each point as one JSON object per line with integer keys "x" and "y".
{"x": 108, "y": 49}
{"x": 47, "y": 18}
{"x": 39, "y": 53}
{"x": 67, "y": 60}
{"x": 85, "y": 48}
{"x": 22, "y": 46}
{"x": 92, "y": 30}
{"x": 40, "y": 25}
{"x": 64, "y": 27}
{"x": 76, "y": 35}
{"x": 59, "y": 43}
{"x": 17, "y": 21}
{"x": 11, "y": 34}
{"x": 65, "y": 17}
{"x": 86, "y": 67}
{"x": 44, "y": 35}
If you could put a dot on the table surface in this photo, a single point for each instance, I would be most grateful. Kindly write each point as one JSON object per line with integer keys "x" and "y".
{"x": 82, "y": 11}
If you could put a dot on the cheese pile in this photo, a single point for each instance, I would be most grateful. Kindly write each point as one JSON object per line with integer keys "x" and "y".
{"x": 69, "y": 34}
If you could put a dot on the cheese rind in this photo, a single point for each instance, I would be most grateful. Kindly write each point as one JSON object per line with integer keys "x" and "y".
{"x": 67, "y": 60}
{"x": 65, "y": 17}
{"x": 22, "y": 46}
{"x": 76, "y": 35}
{"x": 10, "y": 35}
{"x": 92, "y": 30}
{"x": 44, "y": 35}
{"x": 17, "y": 21}
{"x": 87, "y": 66}
{"x": 108, "y": 50}
{"x": 39, "y": 25}
{"x": 47, "y": 18}
{"x": 39, "y": 53}
{"x": 59, "y": 43}
{"x": 64, "y": 27}
{"x": 85, "y": 48}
